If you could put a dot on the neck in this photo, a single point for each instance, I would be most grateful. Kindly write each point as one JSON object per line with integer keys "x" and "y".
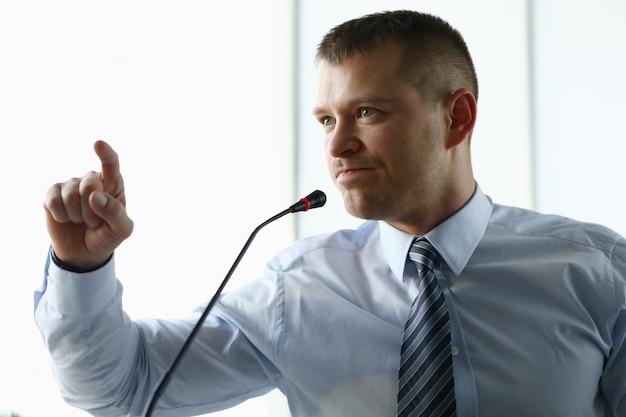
{"x": 434, "y": 213}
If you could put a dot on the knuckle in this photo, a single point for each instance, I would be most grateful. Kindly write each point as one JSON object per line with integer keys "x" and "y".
{"x": 89, "y": 182}
{"x": 70, "y": 195}
{"x": 53, "y": 199}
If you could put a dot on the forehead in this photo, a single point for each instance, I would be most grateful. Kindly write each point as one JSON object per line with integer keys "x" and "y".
{"x": 380, "y": 72}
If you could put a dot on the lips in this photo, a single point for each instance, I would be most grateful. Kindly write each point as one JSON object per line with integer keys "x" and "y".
{"x": 342, "y": 168}
{"x": 350, "y": 171}
{"x": 353, "y": 175}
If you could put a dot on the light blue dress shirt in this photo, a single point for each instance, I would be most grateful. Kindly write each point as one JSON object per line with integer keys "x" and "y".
{"x": 537, "y": 305}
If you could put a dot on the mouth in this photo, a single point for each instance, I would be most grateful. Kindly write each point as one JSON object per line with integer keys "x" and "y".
{"x": 353, "y": 175}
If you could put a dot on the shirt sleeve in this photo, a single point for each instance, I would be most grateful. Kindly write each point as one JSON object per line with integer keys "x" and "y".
{"x": 91, "y": 340}
{"x": 107, "y": 364}
{"x": 614, "y": 375}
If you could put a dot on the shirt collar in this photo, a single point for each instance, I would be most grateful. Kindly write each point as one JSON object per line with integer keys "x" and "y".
{"x": 455, "y": 239}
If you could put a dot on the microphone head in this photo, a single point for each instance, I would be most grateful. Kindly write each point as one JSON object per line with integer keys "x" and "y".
{"x": 314, "y": 200}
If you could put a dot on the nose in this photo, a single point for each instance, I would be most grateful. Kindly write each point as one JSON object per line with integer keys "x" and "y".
{"x": 343, "y": 140}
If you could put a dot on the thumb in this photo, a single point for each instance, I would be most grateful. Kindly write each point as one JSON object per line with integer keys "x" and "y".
{"x": 98, "y": 202}
{"x": 117, "y": 226}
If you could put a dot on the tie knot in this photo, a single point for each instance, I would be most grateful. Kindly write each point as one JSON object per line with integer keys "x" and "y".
{"x": 423, "y": 254}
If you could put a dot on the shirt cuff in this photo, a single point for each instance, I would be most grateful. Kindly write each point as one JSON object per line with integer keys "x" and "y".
{"x": 81, "y": 294}
{"x": 74, "y": 268}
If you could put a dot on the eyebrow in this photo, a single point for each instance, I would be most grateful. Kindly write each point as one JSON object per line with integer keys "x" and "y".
{"x": 317, "y": 111}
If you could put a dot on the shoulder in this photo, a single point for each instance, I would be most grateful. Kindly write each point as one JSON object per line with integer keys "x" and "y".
{"x": 343, "y": 242}
{"x": 529, "y": 223}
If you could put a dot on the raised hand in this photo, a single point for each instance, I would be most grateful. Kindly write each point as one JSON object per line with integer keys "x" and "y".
{"x": 86, "y": 217}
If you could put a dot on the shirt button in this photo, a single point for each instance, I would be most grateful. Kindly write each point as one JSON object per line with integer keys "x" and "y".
{"x": 455, "y": 350}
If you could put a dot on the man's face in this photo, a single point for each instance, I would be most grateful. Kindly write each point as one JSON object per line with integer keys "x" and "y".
{"x": 385, "y": 144}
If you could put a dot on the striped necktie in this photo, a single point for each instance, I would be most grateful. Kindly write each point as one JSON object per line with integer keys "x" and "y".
{"x": 426, "y": 383}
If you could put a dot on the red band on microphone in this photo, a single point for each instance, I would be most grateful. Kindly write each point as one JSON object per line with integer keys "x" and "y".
{"x": 306, "y": 203}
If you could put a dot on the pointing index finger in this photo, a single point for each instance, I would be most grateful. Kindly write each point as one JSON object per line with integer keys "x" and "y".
{"x": 111, "y": 175}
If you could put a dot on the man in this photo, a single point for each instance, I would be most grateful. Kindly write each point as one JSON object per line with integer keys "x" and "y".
{"x": 530, "y": 309}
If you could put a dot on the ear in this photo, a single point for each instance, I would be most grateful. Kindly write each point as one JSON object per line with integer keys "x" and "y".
{"x": 462, "y": 117}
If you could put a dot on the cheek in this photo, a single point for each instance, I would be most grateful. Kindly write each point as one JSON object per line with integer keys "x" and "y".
{"x": 413, "y": 160}
{"x": 329, "y": 161}
{"x": 325, "y": 143}
{"x": 327, "y": 155}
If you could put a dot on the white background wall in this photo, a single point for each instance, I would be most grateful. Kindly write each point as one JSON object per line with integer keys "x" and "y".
{"x": 195, "y": 97}
{"x": 580, "y": 144}
{"x": 204, "y": 127}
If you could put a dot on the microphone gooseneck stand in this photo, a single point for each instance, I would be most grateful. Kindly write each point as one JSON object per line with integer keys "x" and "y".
{"x": 315, "y": 199}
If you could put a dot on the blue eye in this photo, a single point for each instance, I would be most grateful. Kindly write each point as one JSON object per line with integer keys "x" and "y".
{"x": 327, "y": 120}
{"x": 367, "y": 112}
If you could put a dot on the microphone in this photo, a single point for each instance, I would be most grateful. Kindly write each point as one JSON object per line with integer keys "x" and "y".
{"x": 314, "y": 200}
